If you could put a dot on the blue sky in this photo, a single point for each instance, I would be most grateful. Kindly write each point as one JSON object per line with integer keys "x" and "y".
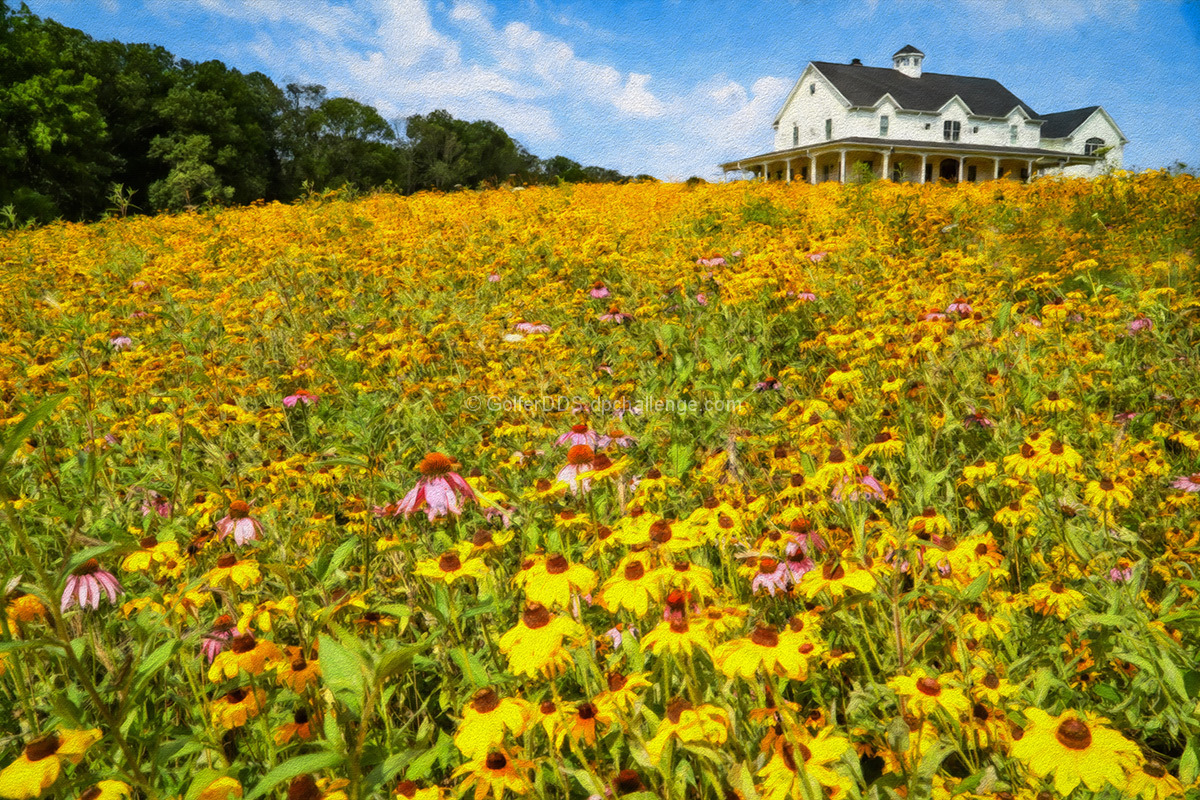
{"x": 673, "y": 88}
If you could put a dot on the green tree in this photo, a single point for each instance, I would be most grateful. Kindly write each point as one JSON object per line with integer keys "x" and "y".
{"x": 193, "y": 175}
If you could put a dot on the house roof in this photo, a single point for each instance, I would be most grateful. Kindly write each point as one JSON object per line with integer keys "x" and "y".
{"x": 934, "y": 147}
{"x": 906, "y": 50}
{"x": 1064, "y": 123}
{"x": 864, "y": 86}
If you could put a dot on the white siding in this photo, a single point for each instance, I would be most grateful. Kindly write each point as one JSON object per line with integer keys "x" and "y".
{"x": 1096, "y": 125}
{"x": 809, "y": 110}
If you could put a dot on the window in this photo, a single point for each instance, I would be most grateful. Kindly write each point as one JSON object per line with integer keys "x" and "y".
{"x": 804, "y": 174}
{"x": 1092, "y": 145}
{"x": 883, "y": 125}
{"x": 795, "y": 135}
{"x": 1012, "y": 133}
{"x": 812, "y": 88}
{"x": 828, "y": 129}
{"x": 1024, "y": 174}
{"x": 951, "y": 130}
{"x": 927, "y": 126}
{"x": 975, "y": 129}
{"x": 971, "y": 172}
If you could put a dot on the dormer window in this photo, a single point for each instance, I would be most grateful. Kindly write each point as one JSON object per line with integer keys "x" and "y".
{"x": 883, "y": 125}
{"x": 1092, "y": 145}
{"x": 951, "y": 130}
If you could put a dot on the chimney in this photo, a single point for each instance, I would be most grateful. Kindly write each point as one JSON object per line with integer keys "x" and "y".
{"x": 856, "y": 62}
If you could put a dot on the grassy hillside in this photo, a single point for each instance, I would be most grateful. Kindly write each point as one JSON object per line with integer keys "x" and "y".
{"x": 735, "y": 490}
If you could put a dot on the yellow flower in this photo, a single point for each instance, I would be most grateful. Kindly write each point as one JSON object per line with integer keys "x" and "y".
{"x": 538, "y": 643}
{"x": 1056, "y": 599}
{"x": 979, "y": 471}
{"x": 631, "y": 587}
{"x": 690, "y": 724}
{"x": 232, "y": 572}
{"x": 1108, "y": 493}
{"x": 223, "y": 788}
{"x": 803, "y": 769}
{"x": 234, "y": 709}
{"x": 1075, "y": 748}
{"x": 449, "y": 567}
{"x": 925, "y": 693}
{"x": 106, "y": 790}
{"x": 1061, "y": 459}
{"x": 245, "y": 654}
{"x": 835, "y": 578}
{"x": 1151, "y": 781}
{"x": 676, "y": 637}
{"x": 486, "y": 720}
{"x": 551, "y": 580}
{"x": 495, "y": 773}
{"x": 40, "y": 762}
{"x": 298, "y": 673}
{"x": 260, "y": 616}
{"x": 765, "y": 649}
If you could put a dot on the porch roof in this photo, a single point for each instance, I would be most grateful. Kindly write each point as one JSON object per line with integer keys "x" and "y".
{"x": 917, "y": 146}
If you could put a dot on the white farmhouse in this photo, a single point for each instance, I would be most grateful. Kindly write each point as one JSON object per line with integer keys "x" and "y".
{"x": 909, "y": 125}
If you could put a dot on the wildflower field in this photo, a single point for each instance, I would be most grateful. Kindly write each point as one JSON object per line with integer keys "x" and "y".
{"x": 646, "y": 491}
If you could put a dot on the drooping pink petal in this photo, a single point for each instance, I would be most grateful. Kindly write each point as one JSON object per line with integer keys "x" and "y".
{"x": 68, "y": 598}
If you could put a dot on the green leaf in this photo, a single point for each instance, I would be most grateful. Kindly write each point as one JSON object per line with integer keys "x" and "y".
{"x": 471, "y": 667}
{"x": 897, "y": 735}
{"x": 21, "y": 431}
{"x": 1173, "y": 678}
{"x": 396, "y": 662}
{"x": 1189, "y": 764}
{"x": 422, "y": 765}
{"x": 344, "y": 673}
{"x": 152, "y": 664}
{"x": 340, "y": 557}
{"x": 972, "y": 592}
{"x": 298, "y": 765}
{"x": 1106, "y": 692}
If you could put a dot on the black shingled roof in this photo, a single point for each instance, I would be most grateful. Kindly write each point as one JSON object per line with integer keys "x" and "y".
{"x": 908, "y": 48}
{"x": 1063, "y": 123}
{"x": 863, "y": 86}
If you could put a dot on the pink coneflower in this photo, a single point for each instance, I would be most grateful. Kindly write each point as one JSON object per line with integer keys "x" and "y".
{"x": 215, "y": 640}
{"x": 803, "y": 538}
{"x": 301, "y": 396}
{"x": 933, "y": 316}
{"x": 616, "y": 315}
{"x": 736, "y": 254}
{"x": 864, "y": 487}
{"x": 977, "y": 419}
{"x": 84, "y": 586}
{"x": 440, "y": 490}
{"x": 702, "y": 299}
{"x": 532, "y": 327}
{"x": 239, "y": 523}
{"x": 494, "y": 277}
{"x": 598, "y": 290}
{"x": 1124, "y": 416}
{"x": 579, "y": 462}
{"x": 772, "y": 575}
{"x": 1141, "y": 324}
{"x": 806, "y": 297}
{"x": 119, "y": 341}
{"x": 1120, "y": 574}
{"x": 619, "y": 438}
{"x": 580, "y": 434}
{"x": 798, "y": 566}
{"x": 617, "y": 635}
{"x": 1188, "y": 483}
{"x": 768, "y": 385}
{"x": 711, "y": 261}
{"x": 960, "y": 306}
{"x": 818, "y": 256}
{"x": 154, "y": 503}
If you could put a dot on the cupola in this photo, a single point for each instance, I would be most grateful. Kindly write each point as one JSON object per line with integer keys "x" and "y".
{"x": 908, "y": 61}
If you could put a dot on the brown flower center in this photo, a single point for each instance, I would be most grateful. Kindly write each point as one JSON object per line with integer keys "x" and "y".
{"x": 586, "y": 711}
{"x": 836, "y": 456}
{"x": 1057, "y": 448}
{"x": 628, "y": 782}
{"x": 833, "y": 571}
{"x": 434, "y": 465}
{"x": 660, "y": 531}
{"x": 634, "y": 571}
{"x": 676, "y": 708}
{"x": 929, "y": 686}
{"x": 557, "y": 564}
{"x": 1057, "y": 588}
{"x": 407, "y": 789}
{"x": 43, "y": 748}
{"x": 482, "y": 538}
{"x": 89, "y": 567}
{"x": 547, "y": 707}
{"x": 239, "y": 509}
{"x": 765, "y": 636}
{"x": 496, "y": 761}
{"x": 654, "y": 474}
{"x": 243, "y": 644}
{"x": 226, "y": 560}
{"x": 1106, "y": 484}
{"x": 767, "y": 565}
{"x": 449, "y": 562}
{"x": 236, "y": 696}
{"x": 991, "y": 681}
{"x": 580, "y": 454}
{"x": 299, "y": 664}
{"x": 536, "y": 616}
{"x": 91, "y": 794}
{"x": 148, "y": 542}
{"x": 1073, "y": 734}
{"x": 616, "y": 681}
{"x": 881, "y": 438}
{"x": 679, "y": 626}
{"x": 303, "y": 787}
{"x": 1154, "y": 769}
{"x": 485, "y": 701}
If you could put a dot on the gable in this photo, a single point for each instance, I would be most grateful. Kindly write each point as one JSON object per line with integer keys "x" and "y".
{"x": 810, "y": 74}
{"x": 864, "y": 86}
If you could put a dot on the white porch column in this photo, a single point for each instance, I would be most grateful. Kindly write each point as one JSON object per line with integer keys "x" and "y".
{"x": 842, "y": 166}
{"x": 765, "y": 176}
{"x": 884, "y": 175}
{"x": 997, "y": 176}
{"x": 812, "y": 169}
{"x": 922, "y": 167}
{"x": 1030, "y": 162}
{"x": 962, "y": 169}
{"x": 789, "y": 170}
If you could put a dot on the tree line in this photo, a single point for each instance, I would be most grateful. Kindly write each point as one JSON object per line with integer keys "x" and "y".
{"x": 87, "y": 127}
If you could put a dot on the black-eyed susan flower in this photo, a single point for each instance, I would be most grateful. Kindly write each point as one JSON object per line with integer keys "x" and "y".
{"x": 980, "y": 624}
{"x": 763, "y": 650}
{"x": 1023, "y": 463}
{"x": 694, "y": 579}
{"x": 151, "y": 554}
{"x": 1075, "y": 747}
{"x": 552, "y": 580}
{"x": 234, "y": 709}
{"x": 262, "y": 615}
{"x": 1054, "y": 403}
{"x": 801, "y": 765}
{"x": 1055, "y": 599}
{"x": 297, "y": 672}
{"x": 836, "y": 577}
{"x": 41, "y": 762}
{"x": 979, "y": 471}
{"x": 690, "y": 724}
{"x": 1151, "y": 781}
{"x": 1061, "y": 459}
{"x": 495, "y": 773}
{"x": 540, "y": 642}
{"x": 887, "y": 444}
{"x": 299, "y": 728}
{"x": 232, "y": 571}
{"x": 678, "y": 637}
{"x": 581, "y": 724}
{"x": 449, "y": 567}
{"x": 1108, "y": 493}
{"x": 631, "y": 587}
{"x": 487, "y": 719}
{"x": 244, "y": 654}
{"x": 622, "y": 694}
{"x": 925, "y": 693}
{"x": 409, "y": 790}
{"x": 225, "y": 787}
{"x": 23, "y": 609}
{"x": 106, "y": 790}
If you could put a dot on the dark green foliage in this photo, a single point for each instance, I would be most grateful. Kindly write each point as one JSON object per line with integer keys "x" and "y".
{"x": 79, "y": 118}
